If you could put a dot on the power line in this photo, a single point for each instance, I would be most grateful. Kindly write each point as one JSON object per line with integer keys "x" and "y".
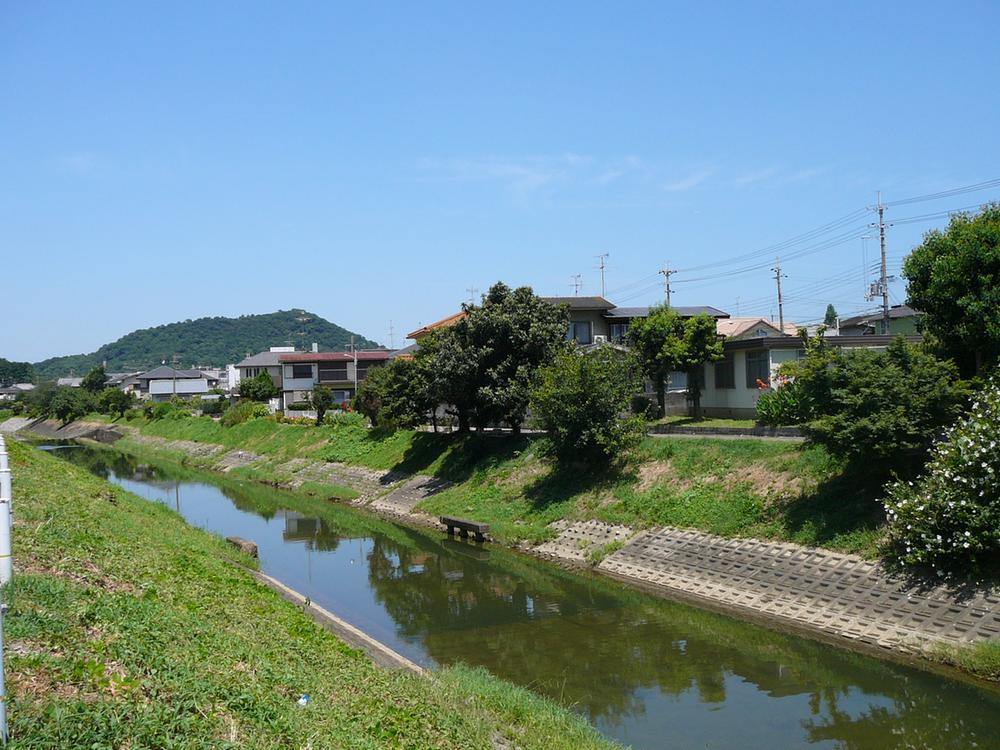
{"x": 946, "y": 193}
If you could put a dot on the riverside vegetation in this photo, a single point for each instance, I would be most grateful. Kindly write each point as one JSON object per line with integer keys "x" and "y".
{"x": 129, "y": 628}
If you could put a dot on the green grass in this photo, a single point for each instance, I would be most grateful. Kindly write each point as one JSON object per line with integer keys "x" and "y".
{"x": 6, "y": 414}
{"x": 981, "y": 659}
{"x": 765, "y": 489}
{"x": 129, "y": 628}
{"x": 685, "y": 421}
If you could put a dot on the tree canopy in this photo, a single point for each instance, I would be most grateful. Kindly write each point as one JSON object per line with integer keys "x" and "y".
{"x": 830, "y": 318}
{"x": 208, "y": 341}
{"x": 94, "y": 380}
{"x": 954, "y": 278}
{"x": 666, "y": 342}
{"x": 15, "y": 372}
{"x": 258, "y": 388}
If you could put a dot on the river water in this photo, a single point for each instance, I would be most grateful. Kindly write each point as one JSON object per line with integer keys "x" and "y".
{"x": 648, "y": 672}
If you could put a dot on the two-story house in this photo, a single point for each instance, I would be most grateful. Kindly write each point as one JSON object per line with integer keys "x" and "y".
{"x": 342, "y": 372}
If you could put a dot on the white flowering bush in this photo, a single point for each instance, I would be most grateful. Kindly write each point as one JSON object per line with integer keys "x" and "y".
{"x": 949, "y": 519}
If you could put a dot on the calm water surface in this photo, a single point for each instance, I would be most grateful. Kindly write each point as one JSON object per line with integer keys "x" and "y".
{"x": 648, "y": 672}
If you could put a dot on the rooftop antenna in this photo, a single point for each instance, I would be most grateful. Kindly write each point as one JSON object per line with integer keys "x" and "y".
{"x": 577, "y": 283}
{"x": 392, "y": 340}
{"x": 473, "y": 291}
{"x": 602, "y": 258}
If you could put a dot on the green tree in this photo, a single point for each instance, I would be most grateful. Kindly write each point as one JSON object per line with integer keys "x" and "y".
{"x": 954, "y": 278}
{"x": 582, "y": 400}
{"x": 396, "y": 395}
{"x": 515, "y": 332}
{"x": 114, "y": 401}
{"x": 258, "y": 388}
{"x": 15, "y": 372}
{"x": 878, "y": 410}
{"x": 454, "y": 370}
{"x": 94, "y": 380}
{"x": 830, "y": 319}
{"x": 322, "y": 400}
{"x": 665, "y": 343}
{"x": 70, "y": 403}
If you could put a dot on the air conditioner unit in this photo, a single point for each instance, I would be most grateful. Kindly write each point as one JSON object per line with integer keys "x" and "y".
{"x": 600, "y": 339}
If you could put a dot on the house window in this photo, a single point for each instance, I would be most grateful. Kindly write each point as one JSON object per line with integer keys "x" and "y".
{"x": 758, "y": 368}
{"x": 333, "y": 373}
{"x": 579, "y": 331}
{"x": 363, "y": 368}
{"x": 618, "y": 332}
{"x": 725, "y": 372}
{"x": 302, "y": 371}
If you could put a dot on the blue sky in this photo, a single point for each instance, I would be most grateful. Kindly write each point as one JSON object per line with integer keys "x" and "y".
{"x": 370, "y": 164}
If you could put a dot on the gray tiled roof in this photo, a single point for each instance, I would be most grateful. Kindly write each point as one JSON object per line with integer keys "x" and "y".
{"x": 581, "y": 303}
{"x": 164, "y": 372}
{"x": 896, "y": 311}
{"x": 685, "y": 311}
{"x": 262, "y": 359}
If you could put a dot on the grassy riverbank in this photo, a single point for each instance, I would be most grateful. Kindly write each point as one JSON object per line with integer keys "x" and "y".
{"x": 129, "y": 628}
{"x": 744, "y": 487}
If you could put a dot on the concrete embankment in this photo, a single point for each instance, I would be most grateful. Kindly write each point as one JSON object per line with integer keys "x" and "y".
{"x": 838, "y": 597}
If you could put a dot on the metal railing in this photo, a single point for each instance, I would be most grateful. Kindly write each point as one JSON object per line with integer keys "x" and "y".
{"x": 6, "y": 570}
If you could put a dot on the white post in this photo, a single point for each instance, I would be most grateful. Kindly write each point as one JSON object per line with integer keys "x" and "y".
{"x": 4, "y": 732}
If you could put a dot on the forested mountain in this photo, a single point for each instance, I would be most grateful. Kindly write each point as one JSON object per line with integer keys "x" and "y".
{"x": 15, "y": 372}
{"x": 212, "y": 342}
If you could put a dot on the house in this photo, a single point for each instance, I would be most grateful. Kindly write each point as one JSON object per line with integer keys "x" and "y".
{"x": 342, "y": 372}
{"x": 269, "y": 362}
{"x": 69, "y": 382}
{"x": 732, "y": 385}
{"x": 903, "y": 319}
{"x": 164, "y": 382}
{"x": 11, "y": 392}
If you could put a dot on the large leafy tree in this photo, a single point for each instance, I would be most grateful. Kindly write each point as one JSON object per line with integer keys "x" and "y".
{"x": 115, "y": 401}
{"x": 94, "y": 380}
{"x": 454, "y": 370}
{"x": 581, "y": 401}
{"x": 954, "y": 278}
{"x": 515, "y": 333}
{"x": 322, "y": 400}
{"x": 397, "y": 395}
{"x": 666, "y": 342}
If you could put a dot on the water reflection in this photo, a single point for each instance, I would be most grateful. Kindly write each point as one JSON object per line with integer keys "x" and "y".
{"x": 650, "y": 672}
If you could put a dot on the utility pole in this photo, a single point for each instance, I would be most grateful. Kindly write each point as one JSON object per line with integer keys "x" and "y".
{"x": 883, "y": 277}
{"x": 577, "y": 283}
{"x": 472, "y": 294}
{"x": 602, "y": 258}
{"x": 781, "y": 309}
{"x": 666, "y": 273}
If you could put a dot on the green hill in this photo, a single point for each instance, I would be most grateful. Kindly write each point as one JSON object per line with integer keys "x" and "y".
{"x": 211, "y": 342}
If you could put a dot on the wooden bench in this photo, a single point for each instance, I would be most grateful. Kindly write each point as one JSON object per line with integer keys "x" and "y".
{"x": 464, "y": 527}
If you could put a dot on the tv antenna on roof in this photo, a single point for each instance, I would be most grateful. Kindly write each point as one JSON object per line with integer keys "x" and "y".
{"x": 577, "y": 283}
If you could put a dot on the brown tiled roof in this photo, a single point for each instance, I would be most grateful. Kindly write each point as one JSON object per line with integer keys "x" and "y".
{"x": 443, "y": 323}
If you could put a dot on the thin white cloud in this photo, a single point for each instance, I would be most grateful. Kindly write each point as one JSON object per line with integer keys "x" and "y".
{"x": 687, "y": 183}
{"x": 750, "y": 178}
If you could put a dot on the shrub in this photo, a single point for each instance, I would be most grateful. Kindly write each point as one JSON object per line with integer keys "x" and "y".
{"x": 212, "y": 407}
{"x": 322, "y": 400}
{"x": 643, "y": 406}
{"x": 785, "y": 405}
{"x": 131, "y": 414}
{"x": 244, "y": 412}
{"x": 879, "y": 410}
{"x": 299, "y": 406}
{"x": 949, "y": 519}
{"x": 260, "y": 388}
{"x": 68, "y": 404}
{"x": 582, "y": 400}
{"x": 173, "y": 409}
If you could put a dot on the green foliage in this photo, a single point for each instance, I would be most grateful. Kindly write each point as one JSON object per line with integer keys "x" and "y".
{"x": 115, "y": 401}
{"x": 785, "y": 405}
{"x": 94, "y": 380}
{"x": 215, "y": 406}
{"x": 210, "y": 341}
{"x": 258, "y": 388}
{"x": 398, "y": 394}
{"x": 68, "y": 404}
{"x": 666, "y": 342}
{"x": 954, "y": 277}
{"x": 15, "y": 372}
{"x": 244, "y": 412}
{"x": 830, "y": 318}
{"x": 322, "y": 400}
{"x": 514, "y": 333}
{"x": 949, "y": 519}
{"x": 580, "y": 400}
{"x": 643, "y": 406}
{"x": 299, "y": 406}
{"x": 879, "y": 410}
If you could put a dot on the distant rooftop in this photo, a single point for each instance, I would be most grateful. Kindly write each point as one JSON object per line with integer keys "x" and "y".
{"x": 376, "y": 355}
{"x": 580, "y": 303}
{"x": 896, "y": 311}
{"x": 685, "y": 311}
{"x": 270, "y": 358}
